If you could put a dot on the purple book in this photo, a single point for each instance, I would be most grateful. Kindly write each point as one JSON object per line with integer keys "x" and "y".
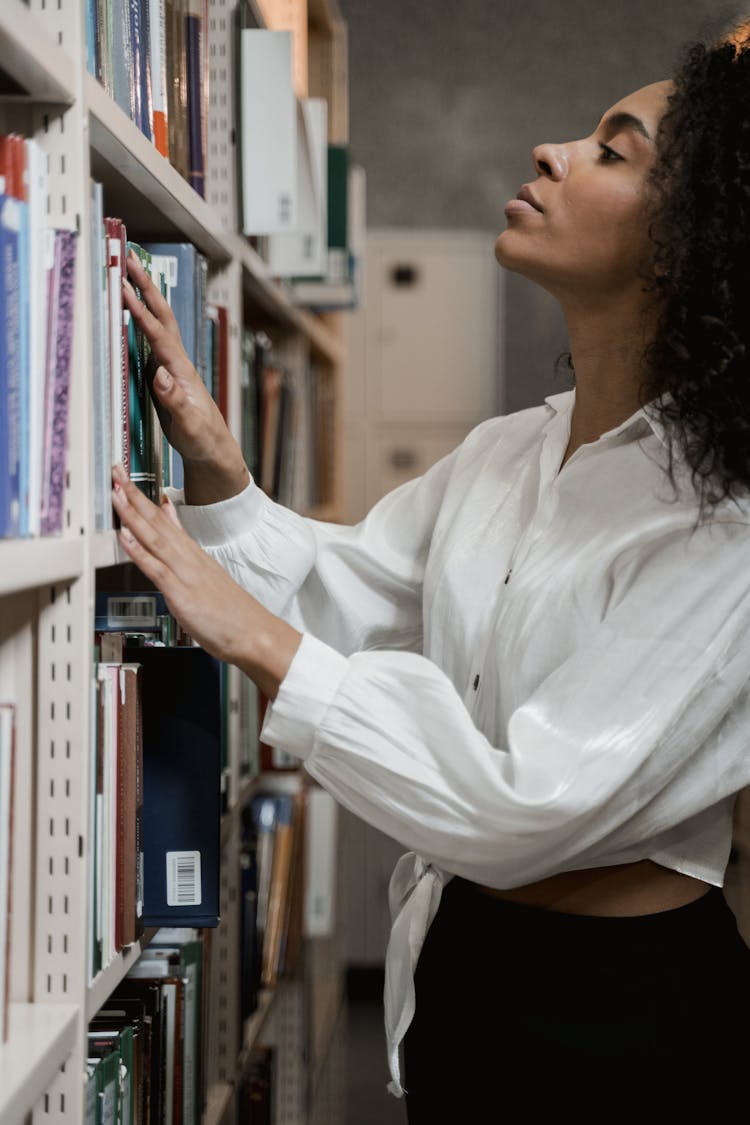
{"x": 60, "y": 297}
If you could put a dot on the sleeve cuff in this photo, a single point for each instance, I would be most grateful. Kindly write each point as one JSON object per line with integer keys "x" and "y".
{"x": 212, "y": 525}
{"x": 305, "y": 694}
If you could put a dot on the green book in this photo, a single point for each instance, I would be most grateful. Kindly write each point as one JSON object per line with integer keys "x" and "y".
{"x": 141, "y": 441}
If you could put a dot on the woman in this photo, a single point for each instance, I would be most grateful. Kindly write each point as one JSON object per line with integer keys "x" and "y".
{"x": 531, "y": 665}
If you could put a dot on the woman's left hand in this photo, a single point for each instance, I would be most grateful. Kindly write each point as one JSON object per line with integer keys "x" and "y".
{"x": 222, "y": 617}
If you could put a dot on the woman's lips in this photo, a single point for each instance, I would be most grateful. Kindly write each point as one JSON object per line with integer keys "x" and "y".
{"x": 520, "y": 206}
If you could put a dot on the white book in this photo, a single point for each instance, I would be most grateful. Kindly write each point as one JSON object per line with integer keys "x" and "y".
{"x": 116, "y": 315}
{"x": 303, "y": 251}
{"x": 156, "y": 42}
{"x": 37, "y": 187}
{"x": 321, "y": 819}
{"x": 327, "y": 294}
{"x": 268, "y": 132}
{"x": 101, "y": 374}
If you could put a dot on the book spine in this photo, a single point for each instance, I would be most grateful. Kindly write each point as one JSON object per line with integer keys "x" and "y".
{"x": 118, "y": 384}
{"x": 141, "y": 460}
{"x": 157, "y": 40}
{"x": 24, "y": 336}
{"x": 100, "y": 381}
{"x": 193, "y": 36}
{"x": 10, "y": 226}
{"x": 58, "y": 374}
{"x": 135, "y": 75}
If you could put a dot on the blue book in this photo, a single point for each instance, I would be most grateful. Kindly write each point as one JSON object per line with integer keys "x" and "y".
{"x": 92, "y": 39}
{"x": 182, "y": 709}
{"x": 10, "y": 482}
{"x": 141, "y": 77}
{"x": 186, "y": 306}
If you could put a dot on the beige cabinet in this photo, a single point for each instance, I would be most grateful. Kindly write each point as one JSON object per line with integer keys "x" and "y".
{"x": 424, "y": 356}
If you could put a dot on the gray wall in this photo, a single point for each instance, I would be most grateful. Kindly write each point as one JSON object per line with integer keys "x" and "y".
{"x": 448, "y": 100}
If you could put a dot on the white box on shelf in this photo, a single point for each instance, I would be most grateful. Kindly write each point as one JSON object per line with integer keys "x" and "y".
{"x": 302, "y": 252}
{"x": 268, "y": 132}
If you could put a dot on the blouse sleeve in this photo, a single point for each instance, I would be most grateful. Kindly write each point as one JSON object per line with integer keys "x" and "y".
{"x": 352, "y": 587}
{"x": 641, "y": 728}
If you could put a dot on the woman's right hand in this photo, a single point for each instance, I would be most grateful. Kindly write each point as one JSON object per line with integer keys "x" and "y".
{"x": 191, "y": 420}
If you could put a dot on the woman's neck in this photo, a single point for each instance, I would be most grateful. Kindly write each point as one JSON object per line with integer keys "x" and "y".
{"x": 607, "y": 349}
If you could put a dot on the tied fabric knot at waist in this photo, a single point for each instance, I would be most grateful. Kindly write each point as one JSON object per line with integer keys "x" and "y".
{"x": 414, "y": 894}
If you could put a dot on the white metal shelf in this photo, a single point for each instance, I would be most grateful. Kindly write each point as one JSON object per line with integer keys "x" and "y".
{"x": 217, "y": 1103}
{"x": 272, "y": 298}
{"x": 254, "y": 1025}
{"x": 108, "y": 979}
{"x": 41, "y": 1038}
{"x": 25, "y": 563}
{"x": 107, "y": 550}
{"x": 30, "y": 56}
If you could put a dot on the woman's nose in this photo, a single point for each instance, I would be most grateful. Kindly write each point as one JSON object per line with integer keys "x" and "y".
{"x": 550, "y": 160}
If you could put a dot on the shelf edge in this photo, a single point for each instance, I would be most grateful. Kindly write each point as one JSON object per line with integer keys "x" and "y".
{"x": 26, "y": 563}
{"x": 32, "y": 58}
{"x": 24, "y": 1074}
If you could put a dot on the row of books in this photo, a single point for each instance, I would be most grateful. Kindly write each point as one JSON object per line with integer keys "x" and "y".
{"x": 126, "y": 425}
{"x": 147, "y": 1044}
{"x": 151, "y": 57}
{"x": 287, "y": 423}
{"x": 155, "y": 801}
{"x": 7, "y": 771}
{"x": 162, "y": 715}
{"x": 271, "y": 892}
{"x": 37, "y": 291}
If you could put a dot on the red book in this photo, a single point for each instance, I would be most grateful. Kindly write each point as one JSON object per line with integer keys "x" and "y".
{"x": 128, "y": 908}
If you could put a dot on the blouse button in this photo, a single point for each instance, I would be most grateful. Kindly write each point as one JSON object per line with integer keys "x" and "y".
{"x": 476, "y": 681}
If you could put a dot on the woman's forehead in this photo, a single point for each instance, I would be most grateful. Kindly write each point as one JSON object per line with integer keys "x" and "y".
{"x": 648, "y": 103}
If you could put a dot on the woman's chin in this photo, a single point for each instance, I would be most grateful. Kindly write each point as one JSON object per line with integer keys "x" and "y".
{"x": 510, "y": 254}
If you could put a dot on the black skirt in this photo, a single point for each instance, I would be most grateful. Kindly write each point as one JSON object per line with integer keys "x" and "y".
{"x": 526, "y": 1014}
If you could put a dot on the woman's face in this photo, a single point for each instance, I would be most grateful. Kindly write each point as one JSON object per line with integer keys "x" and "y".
{"x": 581, "y": 228}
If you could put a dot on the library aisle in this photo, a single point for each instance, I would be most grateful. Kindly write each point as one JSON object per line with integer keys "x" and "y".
{"x": 367, "y": 1100}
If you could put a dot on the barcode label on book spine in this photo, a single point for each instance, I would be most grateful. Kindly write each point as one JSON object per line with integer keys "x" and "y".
{"x": 129, "y": 611}
{"x": 183, "y": 878}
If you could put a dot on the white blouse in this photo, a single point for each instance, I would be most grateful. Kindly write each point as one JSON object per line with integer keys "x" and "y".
{"x": 512, "y": 670}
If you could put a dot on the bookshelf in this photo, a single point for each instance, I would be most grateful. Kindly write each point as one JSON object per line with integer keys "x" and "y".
{"x": 47, "y": 585}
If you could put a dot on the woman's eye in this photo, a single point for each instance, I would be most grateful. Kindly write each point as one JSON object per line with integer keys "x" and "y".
{"x": 607, "y": 154}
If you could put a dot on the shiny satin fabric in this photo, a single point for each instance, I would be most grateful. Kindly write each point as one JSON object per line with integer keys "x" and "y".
{"x": 511, "y": 669}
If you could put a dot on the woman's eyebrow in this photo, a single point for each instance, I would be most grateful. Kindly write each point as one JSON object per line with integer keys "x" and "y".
{"x": 622, "y": 120}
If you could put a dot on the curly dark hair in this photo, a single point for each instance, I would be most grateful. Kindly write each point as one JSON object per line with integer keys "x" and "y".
{"x": 700, "y": 269}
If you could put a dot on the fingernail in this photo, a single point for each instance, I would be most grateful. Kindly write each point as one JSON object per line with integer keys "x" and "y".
{"x": 162, "y": 379}
{"x": 128, "y": 535}
{"x": 126, "y": 285}
{"x": 118, "y": 472}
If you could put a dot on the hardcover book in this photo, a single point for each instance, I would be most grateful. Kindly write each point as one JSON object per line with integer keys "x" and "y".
{"x": 181, "y": 785}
